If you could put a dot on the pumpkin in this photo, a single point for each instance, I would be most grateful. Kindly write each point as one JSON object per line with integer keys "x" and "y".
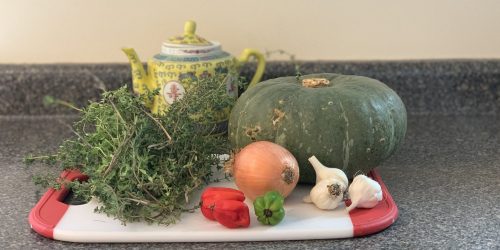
{"x": 348, "y": 122}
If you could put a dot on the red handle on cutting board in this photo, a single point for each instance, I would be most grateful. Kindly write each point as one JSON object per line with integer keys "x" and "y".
{"x": 372, "y": 220}
{"x": 50, "y": 209}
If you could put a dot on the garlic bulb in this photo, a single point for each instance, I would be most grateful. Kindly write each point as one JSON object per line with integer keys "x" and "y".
{"x": 327, "y": 194}
{"x": 364, "y": 192}
{"x": 331, "y": 184}
{"x": 323, "y": 172}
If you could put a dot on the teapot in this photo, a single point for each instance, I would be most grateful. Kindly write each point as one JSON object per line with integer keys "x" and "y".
{"x": 183, "y": 60}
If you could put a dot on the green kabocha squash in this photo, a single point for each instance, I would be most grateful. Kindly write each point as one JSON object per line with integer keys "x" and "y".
{"x": 348, "y": 122}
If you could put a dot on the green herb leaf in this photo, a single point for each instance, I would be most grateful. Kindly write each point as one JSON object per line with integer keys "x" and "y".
{"x": 141, "y": 166}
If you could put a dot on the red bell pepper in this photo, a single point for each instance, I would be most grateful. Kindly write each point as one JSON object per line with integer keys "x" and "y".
{"x": 222, "y": 192}
{"x": 212, "y": 194}
{"x": 232, "y": 213}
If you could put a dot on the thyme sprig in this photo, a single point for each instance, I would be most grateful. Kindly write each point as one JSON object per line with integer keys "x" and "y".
{"x": 142, "y": 166}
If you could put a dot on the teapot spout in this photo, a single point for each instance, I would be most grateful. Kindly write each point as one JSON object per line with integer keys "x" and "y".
{"x": 139, "y": 76}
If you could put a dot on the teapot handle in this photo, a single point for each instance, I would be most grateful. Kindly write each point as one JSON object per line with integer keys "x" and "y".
{"x": 261, "y": 64}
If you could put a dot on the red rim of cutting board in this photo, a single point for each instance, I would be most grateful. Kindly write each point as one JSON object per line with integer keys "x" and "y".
{"x": 49, "y": 210}
{"x": 367, "y": 221}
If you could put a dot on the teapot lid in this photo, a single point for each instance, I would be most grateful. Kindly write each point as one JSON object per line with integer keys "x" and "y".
{"x": 189, "y": 37}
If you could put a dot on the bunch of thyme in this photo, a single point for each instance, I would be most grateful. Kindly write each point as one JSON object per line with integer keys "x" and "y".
{"x": 141, "y": 166}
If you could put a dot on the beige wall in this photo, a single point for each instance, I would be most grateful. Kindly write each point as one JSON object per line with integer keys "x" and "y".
{"x": 36, "y": 31}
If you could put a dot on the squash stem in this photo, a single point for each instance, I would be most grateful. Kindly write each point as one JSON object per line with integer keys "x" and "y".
{"x": 315, "y": 82}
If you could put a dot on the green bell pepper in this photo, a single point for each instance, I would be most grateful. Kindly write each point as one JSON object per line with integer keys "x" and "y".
{"x": 269, "y": 208}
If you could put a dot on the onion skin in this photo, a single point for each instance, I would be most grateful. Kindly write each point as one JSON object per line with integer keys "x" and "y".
{"x": 264, "y": 166}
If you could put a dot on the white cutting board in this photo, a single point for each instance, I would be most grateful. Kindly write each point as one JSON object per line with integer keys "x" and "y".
{"x": 79, "y": 223}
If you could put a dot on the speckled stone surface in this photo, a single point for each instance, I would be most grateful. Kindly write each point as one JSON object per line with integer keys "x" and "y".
{"x": 444, "y": 179}
{"x": 426, "y": 87}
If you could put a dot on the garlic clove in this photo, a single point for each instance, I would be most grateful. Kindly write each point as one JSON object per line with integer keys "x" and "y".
{"x": 323, "y": 172}
{"x": 364, "y": 192}
{"x": 328, "y": 193}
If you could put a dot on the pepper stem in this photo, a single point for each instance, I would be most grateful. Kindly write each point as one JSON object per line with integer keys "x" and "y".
{"x": 268, "y": 213}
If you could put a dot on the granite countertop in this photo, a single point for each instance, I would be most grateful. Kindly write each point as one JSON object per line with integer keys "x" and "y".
{"x": 444, "y": 178}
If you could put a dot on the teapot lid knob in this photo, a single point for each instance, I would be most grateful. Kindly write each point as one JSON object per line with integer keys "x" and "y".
{"x": 189, "y": 28}
{"x": 189, "y": 37}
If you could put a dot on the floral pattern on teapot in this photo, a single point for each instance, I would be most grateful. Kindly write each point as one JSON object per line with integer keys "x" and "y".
{"x": 183, "y": 61}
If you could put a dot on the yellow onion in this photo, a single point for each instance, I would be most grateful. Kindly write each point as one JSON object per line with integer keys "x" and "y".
{"x": 264, "y": 166}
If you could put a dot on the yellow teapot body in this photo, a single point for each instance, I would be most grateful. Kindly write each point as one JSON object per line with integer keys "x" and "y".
{"x": 182, "y": 62}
